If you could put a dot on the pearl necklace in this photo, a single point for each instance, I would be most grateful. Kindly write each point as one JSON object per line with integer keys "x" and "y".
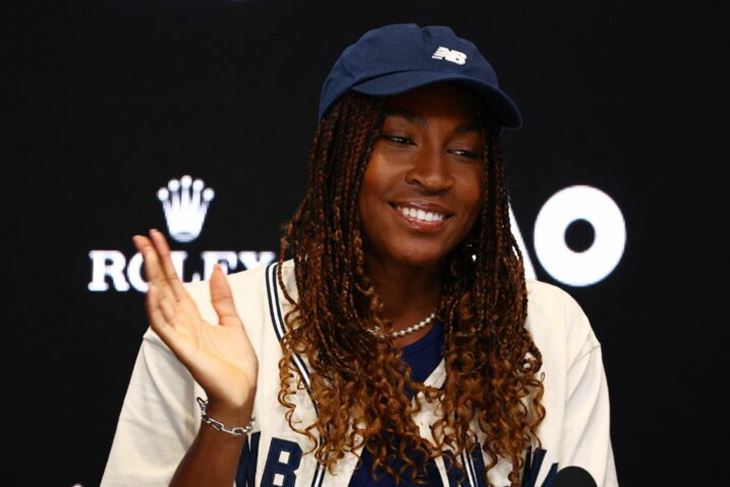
{"x": 406, "y": 331}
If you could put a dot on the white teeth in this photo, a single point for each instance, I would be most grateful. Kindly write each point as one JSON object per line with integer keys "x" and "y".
{"x": 417, "y": 214}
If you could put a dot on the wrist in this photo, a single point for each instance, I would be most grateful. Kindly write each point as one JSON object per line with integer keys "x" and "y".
{"x": 230, "y": 408}
{"x": 234, "y": 421}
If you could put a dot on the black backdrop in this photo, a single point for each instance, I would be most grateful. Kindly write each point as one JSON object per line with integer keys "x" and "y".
{"x": 110, "y": 100}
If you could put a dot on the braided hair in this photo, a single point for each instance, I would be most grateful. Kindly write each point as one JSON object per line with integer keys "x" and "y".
{"x": 358, "y": 380}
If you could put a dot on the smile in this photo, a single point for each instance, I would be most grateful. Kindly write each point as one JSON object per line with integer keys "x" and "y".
{"x": 419, "y": 214}
{"x": 423, "y": 219}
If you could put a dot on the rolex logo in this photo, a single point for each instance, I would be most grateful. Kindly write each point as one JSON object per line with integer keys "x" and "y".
{"x": 185, "y": 203}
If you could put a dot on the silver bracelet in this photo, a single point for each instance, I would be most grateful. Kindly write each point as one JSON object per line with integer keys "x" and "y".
{"x": 235, "y": 431}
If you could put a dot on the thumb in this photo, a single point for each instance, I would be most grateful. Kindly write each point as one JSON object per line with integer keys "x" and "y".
{"x": 222, "y": 298}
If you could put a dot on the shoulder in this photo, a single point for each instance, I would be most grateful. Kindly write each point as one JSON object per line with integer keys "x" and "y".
{"x": 261, "y": 274}
{"x": 548, "y": 299}
{"x": 576, "y": 429}
{"x": 557, "y": 321}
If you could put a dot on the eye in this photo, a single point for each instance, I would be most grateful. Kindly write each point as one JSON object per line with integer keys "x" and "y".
{"x": 469, "y": 154}
{"x": 397, "y": 139}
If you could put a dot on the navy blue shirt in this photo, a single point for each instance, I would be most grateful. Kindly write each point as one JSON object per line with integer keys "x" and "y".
{"x": 422, "y": 357}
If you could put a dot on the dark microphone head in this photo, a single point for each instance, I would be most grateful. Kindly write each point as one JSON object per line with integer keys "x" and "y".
{"x": 574, "y": 477}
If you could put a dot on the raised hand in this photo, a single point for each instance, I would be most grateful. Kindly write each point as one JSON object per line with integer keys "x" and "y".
{"x": 220, "y": 358}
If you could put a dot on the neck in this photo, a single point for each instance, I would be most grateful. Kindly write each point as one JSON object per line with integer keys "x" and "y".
{"x": 408, "y": 293}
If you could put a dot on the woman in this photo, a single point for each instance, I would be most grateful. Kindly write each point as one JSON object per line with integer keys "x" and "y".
{"x": 396, "y": 341}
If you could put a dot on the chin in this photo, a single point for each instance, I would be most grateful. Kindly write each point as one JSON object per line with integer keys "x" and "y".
{"x": 420, "y": 258}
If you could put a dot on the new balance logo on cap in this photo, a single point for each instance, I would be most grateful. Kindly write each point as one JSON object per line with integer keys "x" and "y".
{"x": 449, "y": 55}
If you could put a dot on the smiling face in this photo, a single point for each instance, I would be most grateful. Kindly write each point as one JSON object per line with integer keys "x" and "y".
{"x": 422, "y": 189}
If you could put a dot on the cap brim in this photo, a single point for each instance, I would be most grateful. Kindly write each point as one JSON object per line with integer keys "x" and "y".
{"x": 505, "y": 110}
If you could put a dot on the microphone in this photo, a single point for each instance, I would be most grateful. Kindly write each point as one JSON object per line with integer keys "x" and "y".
{"x": 574, "y": 477}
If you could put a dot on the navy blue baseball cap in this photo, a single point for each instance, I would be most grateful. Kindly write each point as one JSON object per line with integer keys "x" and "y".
{"x": 396, "y": 58}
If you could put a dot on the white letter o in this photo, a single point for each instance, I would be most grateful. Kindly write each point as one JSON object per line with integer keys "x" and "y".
{"x": 601, "y": 258}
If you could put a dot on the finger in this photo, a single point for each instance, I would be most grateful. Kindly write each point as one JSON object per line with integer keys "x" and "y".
{"x": 149, "y": 254}
{"x": 155, "y": 313}
{"x": 140, "y": 243}
{"x": 152, "y": 268}
{"x": 168, "y": 268}
{"x": 173, "y": 286}
{"x": 222, "y": 298}
{"x": 169, "y": 313}
{"x": 165, "y": 329}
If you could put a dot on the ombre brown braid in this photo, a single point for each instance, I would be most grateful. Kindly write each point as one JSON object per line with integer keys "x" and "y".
{"x": 358, "y": 381}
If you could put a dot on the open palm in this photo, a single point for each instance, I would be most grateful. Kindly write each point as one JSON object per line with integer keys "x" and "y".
{"x": 220, "y": 358}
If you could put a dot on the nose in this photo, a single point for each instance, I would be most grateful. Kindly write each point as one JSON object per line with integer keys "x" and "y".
{"x": 430, "y": 171}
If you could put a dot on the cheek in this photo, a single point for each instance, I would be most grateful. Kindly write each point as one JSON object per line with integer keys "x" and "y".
{"x": 371, "y": 191}
{"x": 473, "y": 200}
{"x": 471, "y": 190}
{"x": 367, "y": 188}
{"x": 375, "y": 180}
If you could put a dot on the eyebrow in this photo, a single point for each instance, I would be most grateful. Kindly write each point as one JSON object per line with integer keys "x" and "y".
{"x": 416, "y": 118}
